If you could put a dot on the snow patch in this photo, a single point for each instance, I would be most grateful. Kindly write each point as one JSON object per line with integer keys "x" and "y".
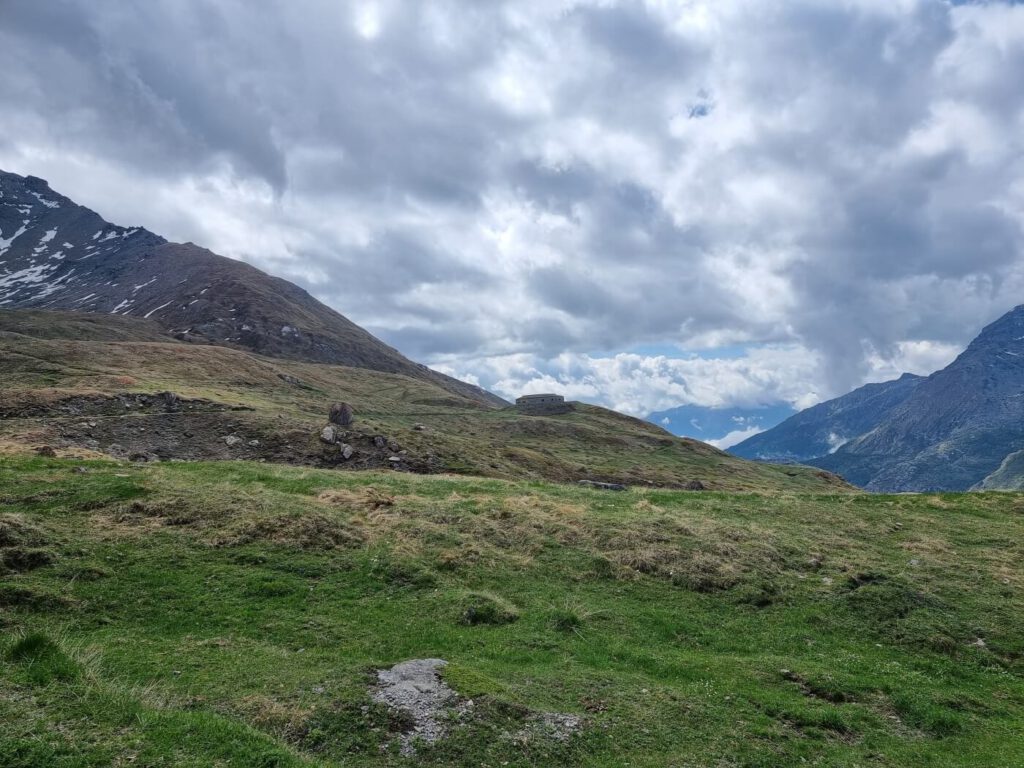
{"x": 47, "y": 237}
{"x": 154, "y": 310}
{"x": 120, "y": 306}
{"x": 5, "y": 244}
{"x": 44, "y": 201}
{"x": 34, "y": 277}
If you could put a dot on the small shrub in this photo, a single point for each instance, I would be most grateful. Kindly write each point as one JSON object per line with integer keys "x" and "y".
{"x": 570, "y": 617}
{"x": 760, "y": 594}
{"x": 602, "y": 567}
{"x": 566, "y": 620}
{"x": 310, "y": 531}
{"x": 21, "y": 559}
{"x": 43, "y": 659}
{"x": 399, "y": 573}
{"x": 12, "y": 596}
{"x": 15, "y": 531}
{"x": 455, "y": 559}
{"x": 487, "y": 608}
{"x": 270, "y": 586}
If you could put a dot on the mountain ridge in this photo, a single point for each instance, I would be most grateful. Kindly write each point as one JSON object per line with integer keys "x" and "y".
{"x": 953, "y": 430}
{"x": 823, "y": 428}
{"x": 56, "y": 254}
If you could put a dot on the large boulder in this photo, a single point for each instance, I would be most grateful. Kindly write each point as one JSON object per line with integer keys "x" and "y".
{"x": 341, "y": 414}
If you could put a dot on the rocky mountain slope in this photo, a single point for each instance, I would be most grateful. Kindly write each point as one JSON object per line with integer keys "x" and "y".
{"x": 824, "y": 428}
{"x": 95, "y": 385}
{"x": 954, "y": 430}
{"x": 55, "y": 254}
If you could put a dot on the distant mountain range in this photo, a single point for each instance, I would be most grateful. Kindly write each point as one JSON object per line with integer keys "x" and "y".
{"x": 824, "y": 428}
{"x": 722, "y": 427}
{"x": 55, "y": 254}
{"x": 960, "y": 428}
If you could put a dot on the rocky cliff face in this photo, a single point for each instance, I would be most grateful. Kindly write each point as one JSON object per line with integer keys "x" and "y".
{"x": 956, "y": 429}
{"x": 824, "y": 428}
{"x": 953, "y": 430}
{"x": 55, "y": 254}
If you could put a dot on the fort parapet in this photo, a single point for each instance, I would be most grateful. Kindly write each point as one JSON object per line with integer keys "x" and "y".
{"x": 542, "y": 405}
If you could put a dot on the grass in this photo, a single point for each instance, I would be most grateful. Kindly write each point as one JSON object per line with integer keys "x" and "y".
{"x": 45, "y": 360}
{"x": 232, "y": 614}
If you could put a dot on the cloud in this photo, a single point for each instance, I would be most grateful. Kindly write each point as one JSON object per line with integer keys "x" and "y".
{"x": 524, "y": 192}
{"x": 735, "y": 438}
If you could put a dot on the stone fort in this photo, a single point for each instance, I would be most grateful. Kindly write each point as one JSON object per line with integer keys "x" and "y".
{"x": 542, "y": 405}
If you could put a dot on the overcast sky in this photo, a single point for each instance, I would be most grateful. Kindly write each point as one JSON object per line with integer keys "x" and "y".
{"x": 643, "y": 204}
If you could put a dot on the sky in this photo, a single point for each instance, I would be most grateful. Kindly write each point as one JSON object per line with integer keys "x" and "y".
{"x": 727, "y": 203}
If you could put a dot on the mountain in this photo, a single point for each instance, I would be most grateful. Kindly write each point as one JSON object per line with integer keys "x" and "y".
{"x": 823, "y": 428}
{"x": 55, "y": 254}
{"x": 722, "y": 427}
{"x": 92, "y": 385}
{"x": 957, "y": 428}
{"x": 960, "y": 428}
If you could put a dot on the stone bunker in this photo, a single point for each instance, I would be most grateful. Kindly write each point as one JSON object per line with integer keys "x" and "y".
{"x": 542, "y": 405}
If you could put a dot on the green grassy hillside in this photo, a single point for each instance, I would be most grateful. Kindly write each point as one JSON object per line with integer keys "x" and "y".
{"x": 232, "y": 614}
{"x": 61, "y": 376}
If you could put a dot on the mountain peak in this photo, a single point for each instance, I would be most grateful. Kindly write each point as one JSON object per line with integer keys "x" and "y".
{"x": 951, "y": 430}
{"x": 55, "y": 254}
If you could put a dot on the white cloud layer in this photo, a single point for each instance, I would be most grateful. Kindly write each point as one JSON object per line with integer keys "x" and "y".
{"x": 522, "y": 192}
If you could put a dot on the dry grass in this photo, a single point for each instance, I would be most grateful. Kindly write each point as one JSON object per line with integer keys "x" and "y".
{"x": 284, "y": 720}
{"x": 363, "y": 498}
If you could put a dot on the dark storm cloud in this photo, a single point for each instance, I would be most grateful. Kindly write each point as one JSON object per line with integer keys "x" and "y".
{"x": 504, "y": 187}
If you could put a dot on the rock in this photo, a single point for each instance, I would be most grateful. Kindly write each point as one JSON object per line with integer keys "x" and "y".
{"x": 395, "y": 459}
{"x": 46, "y": 450}
{"x": 232, "y": 440}
{"x": 694, "y": 485}
{"x": 341, "y": 414}
{"x": 380, "y": 442}
{"x": 347, "y": 452}
{"x": 416, "y": 689}
{"x": 603, "y": 486}
{"x": 288, "y": 379}
{"x": 171, "y": 401}
{"x": 79, "y": 470}
{"x": 91, "y": 424}
{"x": 394, "y": 447}
{"x": 329, "y": 434}
{"x": 554, "y": 725}
{"x": 418, "y": 427}
{"x": 254, "y": 443}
